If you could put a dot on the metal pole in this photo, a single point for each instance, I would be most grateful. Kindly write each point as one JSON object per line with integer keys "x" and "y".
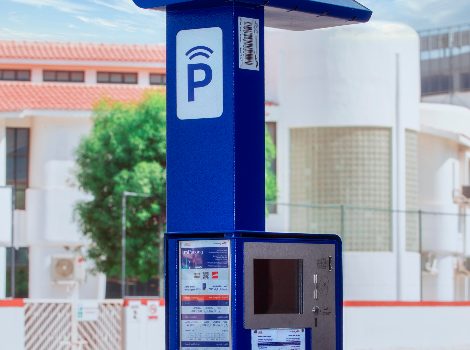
{"x": 398, "y": 205}
{"x": 12, "y": 243}
{"x": 420, "y": 237}
{"x": 123, "y": 245}
{"x": 161, "y": 280}
{"x": 342, "y": 222}
{"x": 308, "y": 224}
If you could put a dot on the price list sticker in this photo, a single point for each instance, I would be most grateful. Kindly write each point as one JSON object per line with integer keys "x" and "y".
{"x": 205, "y": 295}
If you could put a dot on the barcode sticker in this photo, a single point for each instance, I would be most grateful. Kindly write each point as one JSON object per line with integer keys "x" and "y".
{"x": 248, "y": 43}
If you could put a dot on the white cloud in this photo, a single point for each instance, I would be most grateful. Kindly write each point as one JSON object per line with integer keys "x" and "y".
{"x": 15, "y": 17}
{"x": 126, "y": 16}
{"x": 126, "y": 6}
{"x": 115, "y": 24}
{"x": 12, "y": 34}
{"x": 98, "y": 21}
{"x": 59, "y": 5}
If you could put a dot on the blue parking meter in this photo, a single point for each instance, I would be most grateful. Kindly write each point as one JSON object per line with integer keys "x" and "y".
{"x": 230, "y": 284}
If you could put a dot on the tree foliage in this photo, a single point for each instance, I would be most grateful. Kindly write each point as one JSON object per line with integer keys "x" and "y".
{"x": 126, "y": 151}
{"x": 270, "y": 177}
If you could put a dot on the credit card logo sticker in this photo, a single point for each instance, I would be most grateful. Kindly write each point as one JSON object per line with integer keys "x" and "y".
{"x": 199, "y": 73}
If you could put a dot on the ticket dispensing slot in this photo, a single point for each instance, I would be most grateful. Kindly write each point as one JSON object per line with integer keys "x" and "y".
{"x": 291, "y": 285}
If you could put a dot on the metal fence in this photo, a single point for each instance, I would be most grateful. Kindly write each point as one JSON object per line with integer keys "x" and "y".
{"x": 362, "y": 229}
{"x": 379, "y": 229}
{"x": 73, "y": 325}
{"x": 431, "y": 235}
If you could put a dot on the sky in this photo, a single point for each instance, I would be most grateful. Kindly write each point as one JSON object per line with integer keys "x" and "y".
{"x": 120, "y": 21}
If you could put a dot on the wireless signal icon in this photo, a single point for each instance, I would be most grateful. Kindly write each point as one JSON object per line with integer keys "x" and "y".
{"x": 199, "y": 51}
{"x": 199, "y": 73}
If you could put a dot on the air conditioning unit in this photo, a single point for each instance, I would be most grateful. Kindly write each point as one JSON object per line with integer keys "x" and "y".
{"x": 466, "y": 192}
{"x": 68, "y": 269}
{"x": 429, "y": 264}
{"x": 462, "y": 267}
{"x": 466, "y": 263}
{"x": 461, "y": 196}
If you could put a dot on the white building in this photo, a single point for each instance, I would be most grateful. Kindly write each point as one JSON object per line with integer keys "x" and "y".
{"x": 445, "y": 65}
{"x": 357, "y": 153}
{"x": 354, "y": 142}
{"x": 445, "y": 134}
{"x": 47, "y": 92}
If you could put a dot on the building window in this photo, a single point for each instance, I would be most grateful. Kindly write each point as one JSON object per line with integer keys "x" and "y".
{"x": 64, "y": 76}
{"x": 436, "y": 84}
{"x": 18, "y": 163}
{"x": 117, "y": 78}
{"x": 344, "y": 176}
{"x": 21, "y": 268}
{"x": 465, "y": 81}
{"x": 412, "y": 191}
{"x": 15, "y": 75}
{"x": 157, "y": 79}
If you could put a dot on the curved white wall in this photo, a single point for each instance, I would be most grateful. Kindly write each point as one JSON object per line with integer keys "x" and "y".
{"x": 359, "y": 75}
{"x": 344, "y": 76}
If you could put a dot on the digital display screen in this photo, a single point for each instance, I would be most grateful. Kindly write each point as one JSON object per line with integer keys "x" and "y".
{"x": 277, "y": 286}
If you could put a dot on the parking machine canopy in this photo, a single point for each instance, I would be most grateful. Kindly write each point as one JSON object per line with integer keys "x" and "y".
{"x": 285, "y": 14}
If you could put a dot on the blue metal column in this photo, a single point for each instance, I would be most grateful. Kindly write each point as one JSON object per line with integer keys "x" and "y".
{"x": 215, "y": 164}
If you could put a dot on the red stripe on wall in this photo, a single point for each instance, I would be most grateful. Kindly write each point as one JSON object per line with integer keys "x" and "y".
{"x": 204, "y": 297}
{"x": 144, "y": 301}
{"x": 11, "y": 302}
{"x": 406, "y": 303}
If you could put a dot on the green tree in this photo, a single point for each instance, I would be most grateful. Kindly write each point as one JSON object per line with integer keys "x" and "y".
{"x": 126, "y": 151}
{"x": 270, "y": 177}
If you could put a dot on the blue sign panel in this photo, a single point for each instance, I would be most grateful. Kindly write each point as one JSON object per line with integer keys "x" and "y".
{"x": 215, "y": 119}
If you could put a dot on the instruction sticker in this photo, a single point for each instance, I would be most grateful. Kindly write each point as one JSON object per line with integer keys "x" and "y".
{"x": 278, "y": 339}
{"x": 205, "y": 295}
{"x": 248, "y": 43}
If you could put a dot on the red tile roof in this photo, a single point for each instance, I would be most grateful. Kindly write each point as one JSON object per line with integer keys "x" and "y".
{"x": 21, "y": 96}
{"x": 81, "y": 51}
